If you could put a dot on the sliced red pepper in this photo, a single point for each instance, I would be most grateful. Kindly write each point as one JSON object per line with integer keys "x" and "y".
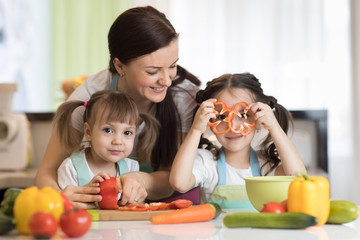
{"x": 244, "y": 130}
{"x": 213, "y": 123}
{"x": 135, "y": 207}
{"x": 158, "y": 206}
{"x": 180, "y": 203}
{"x": 222, "y": 109}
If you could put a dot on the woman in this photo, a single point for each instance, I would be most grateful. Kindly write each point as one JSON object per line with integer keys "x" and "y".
{"x": 143, "y": 48}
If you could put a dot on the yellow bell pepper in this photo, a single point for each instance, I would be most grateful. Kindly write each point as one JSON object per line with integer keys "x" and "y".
{"x": 32, "y": 200}
{"x": 310, "y": 195}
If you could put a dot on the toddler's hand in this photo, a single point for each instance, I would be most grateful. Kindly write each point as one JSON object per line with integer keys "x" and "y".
{"x": 98, "y": 179}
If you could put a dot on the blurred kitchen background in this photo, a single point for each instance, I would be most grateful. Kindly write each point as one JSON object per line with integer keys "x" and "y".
{"x": 305, "y": 52}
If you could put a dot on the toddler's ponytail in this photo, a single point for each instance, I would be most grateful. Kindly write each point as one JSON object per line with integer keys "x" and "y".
{"x": 70, "y": 139}
{"x": 147, "y": 138}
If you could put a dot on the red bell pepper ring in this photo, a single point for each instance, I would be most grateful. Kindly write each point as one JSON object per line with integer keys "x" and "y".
{"x": 245, "y": 128}
{"x": 213, "y": 123}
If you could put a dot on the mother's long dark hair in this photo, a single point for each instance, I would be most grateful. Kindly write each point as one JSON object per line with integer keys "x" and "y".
{"x": 139, "y": 31}
{"x": 250, "y": 82}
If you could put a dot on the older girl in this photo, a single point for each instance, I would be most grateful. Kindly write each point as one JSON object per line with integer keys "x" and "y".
{"x": 234, "y": 104}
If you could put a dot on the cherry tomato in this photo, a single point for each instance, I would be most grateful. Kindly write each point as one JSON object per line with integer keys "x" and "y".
{"x": 43, "y": 225}
{"x": 67, "y": 204}
{"x": 75, "y": 222}
{"x": 273, "y": 207}
{"x": 285, "y": 204}
{"x": 180, "y": 203}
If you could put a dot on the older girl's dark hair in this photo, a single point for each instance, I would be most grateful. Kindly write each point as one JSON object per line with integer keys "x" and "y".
{"x": 110, "y": 105}
{"x": 248, "y": 81}
{"x": 139, "y": 31}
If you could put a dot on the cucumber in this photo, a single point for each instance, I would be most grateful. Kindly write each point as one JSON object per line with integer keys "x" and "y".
{"x": 269, "y": 220}
{"x": 7, "y": 223}
{"x": 342, "y": 211}
{"x": 217, "y": 208}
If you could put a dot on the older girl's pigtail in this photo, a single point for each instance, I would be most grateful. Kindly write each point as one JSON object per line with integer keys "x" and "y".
{"x": 147, "y": 138}
{"x": 70, "y": 139}
{"x": 269, "y": 151}
{"x": 204, "y": 142}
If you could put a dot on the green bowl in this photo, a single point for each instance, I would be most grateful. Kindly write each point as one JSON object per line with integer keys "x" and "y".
{"x": 264, "y": 189}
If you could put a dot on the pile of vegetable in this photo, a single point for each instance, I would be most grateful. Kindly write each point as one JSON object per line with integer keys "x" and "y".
{"x": 308, "y": 204}
{"x": 41, "y": 213}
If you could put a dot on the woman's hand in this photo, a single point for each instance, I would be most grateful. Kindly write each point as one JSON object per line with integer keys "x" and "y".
{"x": 203, "y": 115}
{"x": 132, "y": 188}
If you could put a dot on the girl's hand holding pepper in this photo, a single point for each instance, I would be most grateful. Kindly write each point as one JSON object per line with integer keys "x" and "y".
{"x": 85, "y": 196}
{"x": 100, "y": 177}
{"x": 263, "y": 115}
{"x": 203, "y": 115}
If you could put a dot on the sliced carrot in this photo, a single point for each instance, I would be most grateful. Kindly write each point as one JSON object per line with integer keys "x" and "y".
{"x": 199, "y": 213}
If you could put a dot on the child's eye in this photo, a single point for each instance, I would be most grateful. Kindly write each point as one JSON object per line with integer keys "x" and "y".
{"x": 244, "y": 115}
{"x": 108, "y": 130}
{"x": 173, "y": 66}
{"x": 220, "y": 117}
{"x": 128, "y": 133}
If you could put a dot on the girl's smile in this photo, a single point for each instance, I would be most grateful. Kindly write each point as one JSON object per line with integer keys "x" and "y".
{"x": 234, "y": 137}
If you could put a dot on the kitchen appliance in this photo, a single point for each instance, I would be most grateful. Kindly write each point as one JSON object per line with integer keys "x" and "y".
{"x": 15, "y": 138}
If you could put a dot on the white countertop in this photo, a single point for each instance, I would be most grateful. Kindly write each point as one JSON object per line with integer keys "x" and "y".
{"x": 144, "y": 230}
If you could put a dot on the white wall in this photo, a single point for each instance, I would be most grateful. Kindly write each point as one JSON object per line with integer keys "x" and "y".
{"x": 25, "y": 52}
{"x": 300, "y": 51}
{"x": 355, "y": 44}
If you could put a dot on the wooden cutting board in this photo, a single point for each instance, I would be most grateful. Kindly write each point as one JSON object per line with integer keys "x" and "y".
{"x": 117, "y": 215}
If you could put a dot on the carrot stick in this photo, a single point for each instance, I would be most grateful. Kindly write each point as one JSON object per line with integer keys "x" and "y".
{"x": 199, "y": 213}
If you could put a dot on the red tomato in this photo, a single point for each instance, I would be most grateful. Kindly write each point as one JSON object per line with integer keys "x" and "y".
{"x": 67, "y": 204}
{"x": 75, "y": 222}
{"x": 43, "y": 225}
{"x": 273, "y": 207}
{"x": 109, "y": 192}
{"x": 285, "y": 204}
{"x": 180, "y": 203}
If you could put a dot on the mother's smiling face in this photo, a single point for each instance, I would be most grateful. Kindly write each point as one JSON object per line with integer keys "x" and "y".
{"x": 150, "y": 75}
